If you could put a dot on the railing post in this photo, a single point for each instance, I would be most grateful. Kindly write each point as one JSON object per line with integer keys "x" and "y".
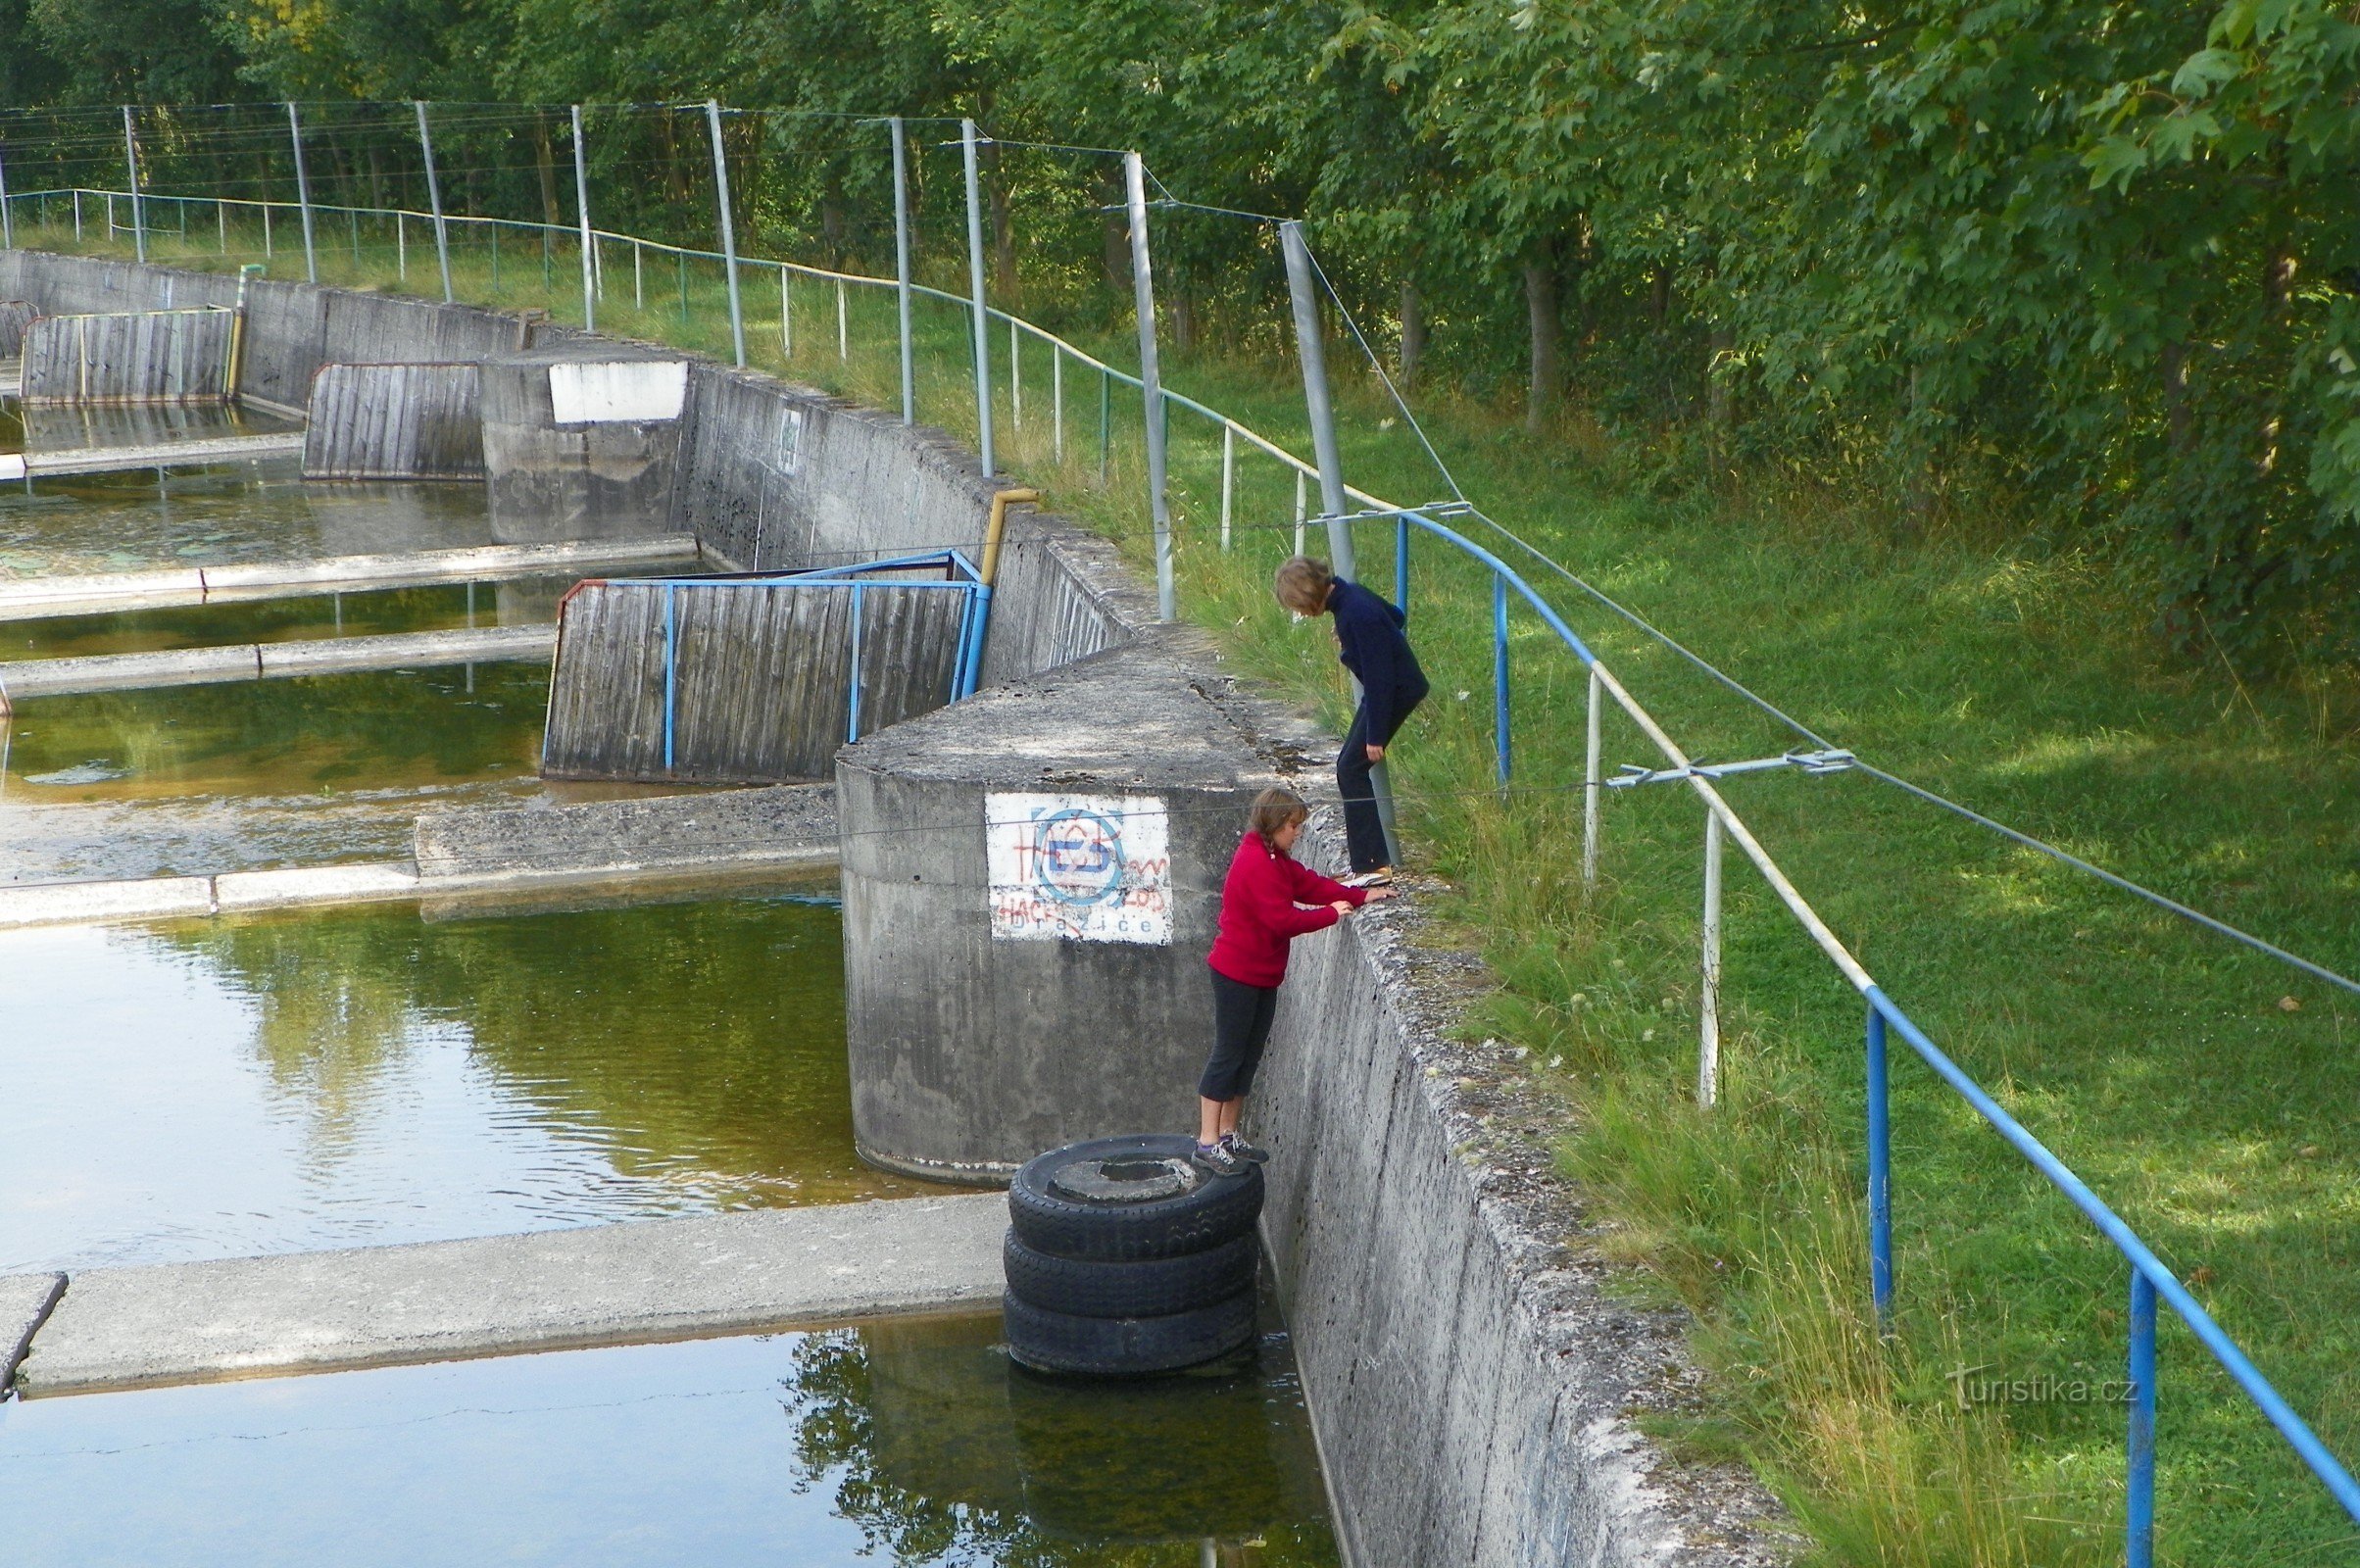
{"x": 982, "y": 322}
{"x": 671, "y": 672}
{"x": 7, "y": 228}
{"x": 78, "y": 214}
{"x": 1303, "y": 509}
{"x": 221, "y": 218}
{"x": 442, "y": 226}
{"x": 1229, "y": 477}
{"x": 1591, "y": 788}
{"x": 721, "y": 182}
{"x": 1106, "y": 420}
{"x": 1150, "y": 379}
{"x": 581, "y": 206}
{"x": 1401, "y": 562}
{"x": 303, "y": 197}
{"x": 851, "y": 722}
{"x": 639, "y": 282}
{"x": 1015, "y": 375}
{"x": 131, "y": 163}
{"x": 900, "y": 267}
{"x": 401, "y": 245}
{"x": 2138, "y": 1539}
{"x": 786, "y": 310}
{"x": 844, "y": 342}
{"x": 1500, "y": 704}
{"x": 1708, "y": 1034}
{"x": 1880, "y": 1174}
{"x": 1057, "y": 404}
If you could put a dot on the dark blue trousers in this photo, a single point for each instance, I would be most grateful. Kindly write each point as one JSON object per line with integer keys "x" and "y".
{"x": 1363, "y": 829}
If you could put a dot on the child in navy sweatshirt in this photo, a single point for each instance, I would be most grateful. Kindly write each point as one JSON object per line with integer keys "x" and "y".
{"x": 1267, "y": 900}
{"x": 1370, "y": 642}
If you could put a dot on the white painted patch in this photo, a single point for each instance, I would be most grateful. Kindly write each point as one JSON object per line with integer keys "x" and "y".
{"x": 621, "y": 392}
{"x": 1079, "y": 867}
{"x": 12, "y": 466}
{"x": 790, "y": 440}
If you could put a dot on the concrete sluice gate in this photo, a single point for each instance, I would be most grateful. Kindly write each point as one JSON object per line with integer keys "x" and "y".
{"x": 1029, "y": 879}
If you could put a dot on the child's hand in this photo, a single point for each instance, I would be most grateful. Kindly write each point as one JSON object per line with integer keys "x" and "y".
{"x": 1376, "y": 753}
{"x": 1343, "y": 907}
{"x": 1378, "y": 894}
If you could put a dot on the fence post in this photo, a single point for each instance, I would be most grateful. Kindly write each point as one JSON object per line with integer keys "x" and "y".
{"x": 786, "y": 312}
{"x": 671, "y": 672}
{"x": 1590, "y": 788}
{"x": 1401, "y": 561}
{"x": 581, "y": 207}
{"x": 2139, "y": 1545}
{"x": 221, "y": 218}
{"x": 78, "y": 214}
{"x": 131, "y": 163}
{"x": 639, "y": 280}
{"x": 442, "y": 226}
{"x": 401, "y": 245}
{"x": 982, "y": 323}
{"x": 1708, "y": 1042}
{"x": 303, "y": 197}
{"x": 1229, "y": 477}
{"x": 900, "y": 267}
{"x": 269, "y": 251}
{"x": 1880, "y": 1174}
{"x": 1057, "y": 404}
{"x": 1106, "y": 420}
{"x": 844, "y": 347}
{"x": 721, "y": 182}
{"x": 7, "y": 228}
{"x": 1151, "y": 380}
{"x": 1500, "y": 704}
{"x": 1303, "y": 509}
{"x": 852, "y": 720}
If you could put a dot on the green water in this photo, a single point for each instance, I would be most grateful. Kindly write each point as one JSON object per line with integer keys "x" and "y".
{"x": 363, "y": 1076}
{"x": 895, "y": 1442}
{"x": 440, "y": 608}
{"x": 260, "y": 510}
{"x": 382, "y": 730}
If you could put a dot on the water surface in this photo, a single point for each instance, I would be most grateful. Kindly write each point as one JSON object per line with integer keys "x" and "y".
{"x": 236, "y": 1087}
{"x": 902, "y": 1443}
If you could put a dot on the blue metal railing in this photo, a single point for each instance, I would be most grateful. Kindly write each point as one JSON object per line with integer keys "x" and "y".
{"x": 2150, "y": 1280}
{"x": 960, "y": 577}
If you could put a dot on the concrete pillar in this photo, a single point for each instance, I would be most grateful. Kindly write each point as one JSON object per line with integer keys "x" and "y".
{"x": 575, "y": 448}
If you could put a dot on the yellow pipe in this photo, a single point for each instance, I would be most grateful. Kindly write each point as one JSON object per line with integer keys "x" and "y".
{"x": 992, "y": 535}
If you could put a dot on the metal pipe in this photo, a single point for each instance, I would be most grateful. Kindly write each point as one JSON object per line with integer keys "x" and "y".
{"x": 7, "y": 228}
{"x": 442, "y": 227}
{"x": 581, "y": 206}
{"x": 131, "y": 163}
{"x": 720, "y": 180}
{"x": 982, "y": 323}
{"x": 1401, "y": 563}
{"x": 671, "y": 672}
{"x": 1229, "y": 477}
{"x": 1880, "y": 1174}
{"x": 2139, "y": 1535}
{"x": 843, "y": 349}
{"x": 1309, "y": 344}
{"x": 852, "y": 720}
{"x": 1151, "y": 381}
{"x": 997, "y": 528}
{"x": 1056, "y": 402}
{"x": 303, "y": 197}
{"x": 786, "y": 310}
{"x": 900, "y": 267}
{"x": 1708, "y": 1041}
{"x": 1015, "y": 373}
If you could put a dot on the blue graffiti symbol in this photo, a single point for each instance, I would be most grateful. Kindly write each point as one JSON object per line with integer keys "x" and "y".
{"x": 1079, "y": 857}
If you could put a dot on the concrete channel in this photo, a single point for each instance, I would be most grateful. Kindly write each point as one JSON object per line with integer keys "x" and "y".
{"x": 1472, "y": 1374}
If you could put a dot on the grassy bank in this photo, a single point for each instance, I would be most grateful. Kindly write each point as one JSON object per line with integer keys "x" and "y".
{"x": 2201, "y": 1091}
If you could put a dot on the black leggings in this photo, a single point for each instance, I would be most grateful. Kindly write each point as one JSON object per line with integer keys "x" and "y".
{"x": 1241, "y": 1024}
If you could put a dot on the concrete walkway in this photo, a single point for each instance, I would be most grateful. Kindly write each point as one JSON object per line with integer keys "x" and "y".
{"x": 119, "y": 1328}
{"x": 33, "y": 597}
{"x": 164, "y": 455}
{"x": 318, "y": 656}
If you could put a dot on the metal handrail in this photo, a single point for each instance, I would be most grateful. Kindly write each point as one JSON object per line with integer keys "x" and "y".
{"x": 2151, "y": 1279}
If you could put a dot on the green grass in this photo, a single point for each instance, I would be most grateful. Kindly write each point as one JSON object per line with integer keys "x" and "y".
{"x": 2161, "y": 1063}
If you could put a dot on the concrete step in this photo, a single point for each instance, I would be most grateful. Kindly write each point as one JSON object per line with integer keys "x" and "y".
{"x": 240, "y": 582}
{"x": 159, "y": 455}
{"x": 119, "y": 1328}
{"x": 323, "y": 656}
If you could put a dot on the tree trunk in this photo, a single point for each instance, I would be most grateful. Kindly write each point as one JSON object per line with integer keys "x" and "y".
{"x": 1548, "y": 335}
{"x": 1720, "y": 402}
{"x": 2176, "y": 414}
{"x": 1413, "y": 334}
{"x": 676, "y": 174}
{"x": 1659, "y": 296}
{"x": 545, "y": 163}
{"x": 1184, "y": 322}
{"x": 1118, "y": 249}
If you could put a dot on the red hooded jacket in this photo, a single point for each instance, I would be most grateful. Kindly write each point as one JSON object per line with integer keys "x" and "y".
{"x": 1260, "y": 911}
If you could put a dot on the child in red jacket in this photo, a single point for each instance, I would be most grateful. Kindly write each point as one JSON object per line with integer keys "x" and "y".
{"x": 1262, "y": 909}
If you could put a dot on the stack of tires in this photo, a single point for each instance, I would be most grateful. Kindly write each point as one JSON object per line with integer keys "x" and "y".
{"x": 1124, "y": 1259}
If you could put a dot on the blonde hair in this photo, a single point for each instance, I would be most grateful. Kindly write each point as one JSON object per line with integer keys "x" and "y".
{"x": 1302, "y": 585}
{"x": 1273, "y": 808}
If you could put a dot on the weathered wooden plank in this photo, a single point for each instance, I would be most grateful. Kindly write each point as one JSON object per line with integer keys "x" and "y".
{"x": 395, "y": 422}
{"x": 136, "y": 357}
{"x": 14, "y": 317}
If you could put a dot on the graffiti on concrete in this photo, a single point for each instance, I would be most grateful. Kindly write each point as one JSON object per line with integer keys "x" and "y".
{"x": 1079, "y": 867}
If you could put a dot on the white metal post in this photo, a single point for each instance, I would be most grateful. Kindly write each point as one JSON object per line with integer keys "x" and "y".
{"x": 721, "y": 182}
{"x": 1015, "y": 378}
{"x": 1708, "y": 1042}
{"x": 1303, "y": 509}
{"x": 131, "y": 163}
{"x": 1590, "y": 788}
{"x": 639, "y": 282}
{"x": 844, "y": 342}
{"x": 401, "y": 245}
{"x": 442, "y": 227}
{"x": 786, "y": 310}
{"x": 581, "y": 208}
{"x": 1056, "y": 402}
{"x": 1150, "y": 379}
{"x": 303, "y": 197}
{"x": 1229, "y": 477}
{"x": 7, "y": 228}
{"x": 982, "y": 323}
{"x": 900, "y": 267}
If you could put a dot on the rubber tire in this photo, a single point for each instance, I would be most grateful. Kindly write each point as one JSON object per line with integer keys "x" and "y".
{"x": 1155, "y": 1288}
{"x": 1125, "y": 1346}
{"x": 1217, "y": 1209}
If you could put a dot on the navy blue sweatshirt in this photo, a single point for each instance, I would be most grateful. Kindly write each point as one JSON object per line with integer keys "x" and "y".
{"x": 1368, "y": 629}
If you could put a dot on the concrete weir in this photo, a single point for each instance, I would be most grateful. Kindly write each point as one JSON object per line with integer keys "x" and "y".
{"x": 120, "y": 1328}
{"x": 1029, "y": 878}
{"x": 322, "y": 656}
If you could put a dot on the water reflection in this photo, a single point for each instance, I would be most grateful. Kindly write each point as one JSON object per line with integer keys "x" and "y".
{"x": 904, "y": 1444}
{"x": 524, "y": 602}
{"x": 76, "y": 427}
{"x": 235, "y": 1087}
